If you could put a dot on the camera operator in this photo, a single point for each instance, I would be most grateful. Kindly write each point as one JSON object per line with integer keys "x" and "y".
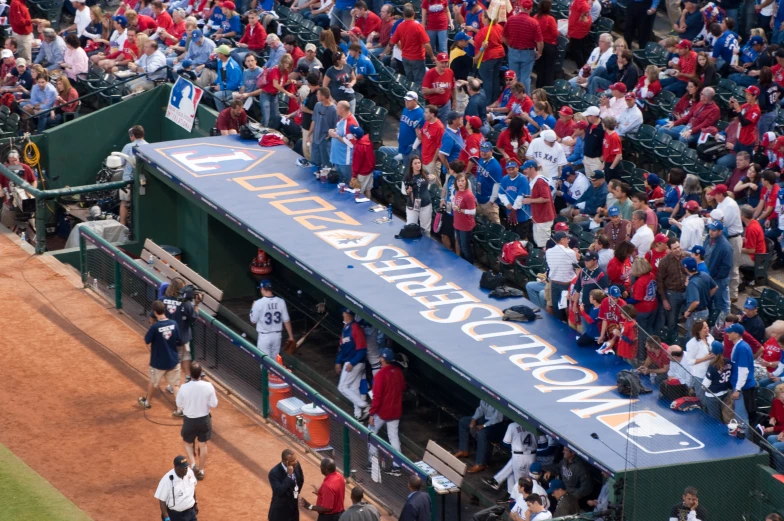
{"x": 602, "y": 503}
{"x": 689, "y": 509}
{"x": 182, "y": 306}
{"x": 8, "y": 210}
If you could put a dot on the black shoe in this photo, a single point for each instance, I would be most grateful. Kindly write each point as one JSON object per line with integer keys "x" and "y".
{"x": 394, "y": 472}
{"x": 503, "y": 499}
{"x": 492, "y": 483}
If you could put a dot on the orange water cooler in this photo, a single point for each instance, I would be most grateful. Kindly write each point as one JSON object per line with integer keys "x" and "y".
{"x": 315, "y": 429}
{"x": 278, "y": 390}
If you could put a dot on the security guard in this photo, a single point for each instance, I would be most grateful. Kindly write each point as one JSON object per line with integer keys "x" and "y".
{"x": 177, "y": 493}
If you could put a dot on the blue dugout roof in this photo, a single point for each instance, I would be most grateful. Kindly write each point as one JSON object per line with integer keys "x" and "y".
{"x": 432, "y": 298}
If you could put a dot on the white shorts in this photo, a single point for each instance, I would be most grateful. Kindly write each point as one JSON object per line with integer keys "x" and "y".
{"x": 125, "y": 194}
{"x": 365, "y": 182}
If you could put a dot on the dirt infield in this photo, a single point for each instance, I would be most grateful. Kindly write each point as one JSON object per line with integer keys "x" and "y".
{"x": 68, "y": 408}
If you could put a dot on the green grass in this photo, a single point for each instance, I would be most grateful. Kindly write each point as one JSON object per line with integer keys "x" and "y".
{"x": 26, "y": 496}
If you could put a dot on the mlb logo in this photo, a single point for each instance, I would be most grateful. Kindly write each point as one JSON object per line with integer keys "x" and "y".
{"x": 344, "y": 239}
{"x": 650, "y": 432}
{"x": 167, "y": 334}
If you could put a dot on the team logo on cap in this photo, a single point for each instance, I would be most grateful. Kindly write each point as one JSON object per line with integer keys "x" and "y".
{"x": 344, "y": 239}
{"x": 651, "y": 432}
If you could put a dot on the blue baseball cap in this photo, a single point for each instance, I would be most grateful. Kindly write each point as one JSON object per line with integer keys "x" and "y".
{"x": 614, "y": 291}
{"x": 530, "y": 164}
{"x": 735, "y": 328}
{"x": 614, "y": 211}
{"x": 716, "y": 226}
{"x": 697, "y": 250}
{"x": 265, "y": 284}
{"x": 462, "y": 36}
{"x": 349, "y": 311}
{"x": 486, "y": 146}
{"x": 511, "y": 164}
{"x": 756, "y": 40}
{"x": 556, "y": 484}
{"x": 566, "y": 172}
{"x": 596, "y": 174}
{"x": 751, "y": 303}
{"x": 356, "y": 131}
{"x": 470, "y": 4}
{"x": 197, "y": 34}
{"x": 535, "y": 468}
{"x": 690, "y": 263}
{"x": 387, "y": 354}
{"x": 653, "y": 180}
{"x": 121, "y": 20}
{"x": 187, "y": 64}
{"x": 717, "y": 348}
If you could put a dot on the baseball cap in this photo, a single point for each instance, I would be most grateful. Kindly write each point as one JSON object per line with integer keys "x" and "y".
{"x": 470, "y": 4}
{"x": 21, "y": 61}
{"x": 590, "y": 256}
{"x": 356, "y": 30}
{"x": 356, "y": 131}
{"x": 751, "y": 303}
{"x": 716, "y": 226}
{"x": 556, "y": 484}
{"x": 387, "y": 354}
{"x": 717, "y": 348}
{"x": 180, "y": 462}
{"x": 511, "y": 164}
{"x": 486, "y": 146}
{"x": 566, "y": 111}
{"x": 697, "y": 250}
{"x": 753, "y": 90}
{"x": 527, "y": 4}
{"x": 474, "y": 121}
{"x": 591, "y": 111}
{"x": 559, "y": 236}
{"x": 123, "y": 21}
{"x": 302, "y": 69}
{"x": 691, "y": 206}
{"x": 653, "y": 180}
{"x": 614, "y": 291}
{"x": 187, "y": 64}
{"x": 614, "y": 211}
{"x": 597, "y": 174}
{"x": 535, "y": 468}
{"x": 756, "y": 40}
{"x": 689, "y": 263}
{"x": 462, "y": 36}
{"x": 224, "y": 50}
{"x": 549, "y": 135}
{"x": 582, "y": 125}
{"x": 660, "y": 237}
{"x": 7, "y": 53}
{"x": 716, "y": 214}
{"x": 630, "y": 95}
{"x": 683, "y": 44}
{"x": 95, "y": 211}
{"x": 265, "y": 284}
{"x": 442, "y": 57}
{"x": 718, "y": 189}
{"x": 228, "y": 5}
{"x": 620, "y": 87}
{"x": 530, "y": 164}
{"x": 197, "y": 34}
{"x": 310, "y": 47}
{"x": 735, "y": 328}
{"x": 507, "y": 74}
{"x": 349, "y": 311}
{"x": 567, "y": 171}
{"x": 411, "y": 96}
{"x": 561, "y": 227}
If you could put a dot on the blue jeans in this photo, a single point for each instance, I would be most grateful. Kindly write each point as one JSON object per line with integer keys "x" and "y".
{"x": 674, "y": 85}
{"x": 701, "y": 315}
{"x": 770, "y": 384}
{"x": 727, "y": 161}
{"x": 483, "y": 437}
{"x": 535, "y": 290}
{"x": 319, "y": 153}
{"x": 677, "y": 300}
{"x": 778, "y": 36}
{"x": 597, "y": 84}
{"x": 438, "y": 41}
{"x": 222, "y": 98}
{"x": 489, "y": 72}
{"x": 645, "y": 321}
{"x": 322, "y": 20}
{"x": 522, "y": 62}
{"x": 443, "y": 112}
{"x": 463, "y": 240}
{"x": 778, "y": 459}
{"x": 767, "y": 121}
{"x": 269, "y": 109}
{"x": 345, "y": 173}
{"x": 45, "y": 121}
{"x": 675, "y": 132}
{"x": 744, "y": 80}
{"x": 414, "y": 70}
{"x": 721, "y": 299}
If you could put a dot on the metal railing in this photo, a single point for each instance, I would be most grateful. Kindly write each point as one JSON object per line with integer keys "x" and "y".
{"x": 263, "y": 384}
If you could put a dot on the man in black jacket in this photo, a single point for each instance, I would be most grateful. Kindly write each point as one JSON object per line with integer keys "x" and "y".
{"x": 417, "y": 507}
{"x": 690, "y": 504}
{"x": 286, "y": 481}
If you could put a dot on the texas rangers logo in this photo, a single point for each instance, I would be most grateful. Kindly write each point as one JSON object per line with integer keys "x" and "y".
{"x": 344, "y": 239}
{"x": 210, "y": 159}
{"x": 651, "y": 432}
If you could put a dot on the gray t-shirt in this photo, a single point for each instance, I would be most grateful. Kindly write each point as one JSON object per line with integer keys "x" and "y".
{"x": 314, "y": 65}
{"x": 325, "y": 118}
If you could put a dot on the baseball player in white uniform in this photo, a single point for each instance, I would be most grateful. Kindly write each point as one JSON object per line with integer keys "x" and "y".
{"x": 523, "y": 455}
{"x": 270, "y": 315}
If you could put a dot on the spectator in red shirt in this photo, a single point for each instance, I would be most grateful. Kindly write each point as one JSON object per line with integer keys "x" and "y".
{"x": 365, "y": 20}
{"x": 766, "y": 209}
{"x": 491, "y": 51}
{"x": 414, "y": 42}
{"x": 686, "y": 67}
{"x": 619, "y": 269}
{"x": 659, "y": 249}
{"x": 464, "y": 215}
{"x": 430, "y": 136}
{"x": 142, "y": 23}
{"x": 255, "y": 37}
{"x": 771, "y": 356}
{"x": 610, "y": 313}
{"x": 438, "y": 86}
{"x": 545, "y": 72}
{"x": 21, "y": 28}
{"x": 643, "y": 297}
{"x": 748, "y": 115}
{"x": 523, "y": 37}
{"x": 330, "y": 495}
{"x": 564, "y": 127}
{"x": 363, "y": 162}
{"x": 232, "y": 118}
{"x": 753, "y": 237}
{"x": 612, "y": 150}
{"x": 436, "y": 19}
{"x": 580, "y": 43}
{"x": 290, "y": 44}
{"x": 657, "y": 361}
{"x": 541, "y": 201}
{"x": 378, "y": 40}
{"x": 387, "y": 406}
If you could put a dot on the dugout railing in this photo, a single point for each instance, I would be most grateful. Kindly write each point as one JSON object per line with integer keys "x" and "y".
{"x": 235, "y": 363}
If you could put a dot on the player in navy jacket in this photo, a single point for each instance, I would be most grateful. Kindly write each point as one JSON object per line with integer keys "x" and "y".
{"x": 350, "y": 364}
{"x": 742, "y": 376}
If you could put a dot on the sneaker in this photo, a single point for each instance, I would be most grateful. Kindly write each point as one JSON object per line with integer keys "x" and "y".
{"x": 143, "y": 402}
{"x": 761, "y": 430}
{"x": 178, "y": 413}
{"x": 364, "y": 414}
{"x": 169, "y": 389}
{"x": 492, "y": 483}
{"x": 394, "y": 472}
{"x": 608, "y": 351}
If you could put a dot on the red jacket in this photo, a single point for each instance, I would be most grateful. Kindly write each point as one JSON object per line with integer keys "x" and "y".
{"x": 777, "y": 411}
{"x": 257, "y": 40}
{"x": 19, "y": 18}
{"x": 388, "y": 387}
{"x": 364, "y": 161}
{"x": 753, "y": 343}
{"x": 701, "y": 115}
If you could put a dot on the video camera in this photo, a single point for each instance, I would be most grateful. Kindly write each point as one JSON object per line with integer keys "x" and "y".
{"x": 192, "y": 293}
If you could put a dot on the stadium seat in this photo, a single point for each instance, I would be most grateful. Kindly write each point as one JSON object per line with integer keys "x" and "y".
{"x": 376, "y": 124}
{"x": 643, "y": 56}
{"x": 724, "y": 92}
{"x": 674, "y": 154}
{"x": 560, "y": 88}
{"x": 661, "y": 147}
{"x": 759, "y": 272}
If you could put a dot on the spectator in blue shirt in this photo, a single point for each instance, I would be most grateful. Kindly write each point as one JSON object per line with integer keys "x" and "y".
{"x": 363, "y": 67}
{"x": 742, "y": 376}
{"x": 724, "y": 47}
{"x": 229, "y": 79}
{"x": 412, "y": 118}
{"x": 477, "y": 103}
{"x": 576, "y": 157}
{"x": 700, "y": 289}
{"x": 200, "y": 49}
{"x": 42, "y": 98}
{"x": 163, "y": 339}
{"x": 52, "y": 50}
{"x": 539, "y": 117}
{"x": 718, "y": 257}
{"x": 452, "y": 143}
{"x": 777, "y": 24}
{"x": 488, "y": 179}
{"x": 513, "y": 189}
{"x": 215, "y": 22}
{"x": 341, "y": 14}
{"x": 595, "y": 196}
{"x": 698, "y": 253}
{"x": 276, "y": 51}
{"x": 354, "y": 36}
{"x": 691, "y": 22}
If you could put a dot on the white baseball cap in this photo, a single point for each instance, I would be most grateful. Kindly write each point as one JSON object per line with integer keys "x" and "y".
{"x": 310, "y": 47}
{"x": 6, "y": 54}
{"x": 411, "y": 96}
{"x": 717, "y": 215}
{"x": 591, "y": 111}
{"x": 549, "y": 135}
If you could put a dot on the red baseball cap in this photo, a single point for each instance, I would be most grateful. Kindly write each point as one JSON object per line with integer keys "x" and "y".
{"x": 582, "y": 125}
{"x": 683, "y": 44}
{"x": 718, "y": 189}
{"x": 691, "y": 206}
{"x": 660, "y": 237}
{"x": 527, "y": 4}
{"x": 566, "y": 111}
{"x": 561, "y": 227}
{"x": 510, "y": 74}
{"x": 754, "y": 91}
{"x": 474, "y": 121}
{"x": 620, "y": 87}
{"x": 630, "y": 95}
{"x": 228, "y": 5}
{"x": 442, "y": 57}
{"x": 356, "y": 30}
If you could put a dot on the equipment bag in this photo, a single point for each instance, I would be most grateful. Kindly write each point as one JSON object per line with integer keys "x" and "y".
{"x": 410, "y": 231}
{"x": 629, "y": 384}
{"x": 491, "y": 280}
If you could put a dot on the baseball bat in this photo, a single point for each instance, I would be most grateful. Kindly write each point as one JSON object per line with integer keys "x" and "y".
{"x": 305, "y": 336}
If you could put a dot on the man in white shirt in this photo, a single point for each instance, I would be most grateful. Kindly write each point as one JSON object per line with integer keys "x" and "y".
{"x": 561, "y": 262}
{"x": 734, "y": 229}
{"x": 616, "y": 103}
{"x": 692, "y": 226}
{"x": 81, "y": 20}
{"x": 196, "y": 398}
{"x": 151, "y": 64}
{"x": 643, "y": 236}
{"x": 598, "y": 58}
{"x": 176, "y": 492}
{"x": 550, "y": 155}
{"x": 630, "y": 119}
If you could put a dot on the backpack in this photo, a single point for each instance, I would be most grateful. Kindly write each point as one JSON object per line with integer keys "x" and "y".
{"x": 711, "y": 150}
{"x": 506, "y": 292}
{"x": 513, "y": 251}
{"x": 520, "y": 313}
{"x": 491, "y": 280}
{"x": 410, "y": 231}
{"x": 629, "y": 384}
{"x": 263, "y": 79}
